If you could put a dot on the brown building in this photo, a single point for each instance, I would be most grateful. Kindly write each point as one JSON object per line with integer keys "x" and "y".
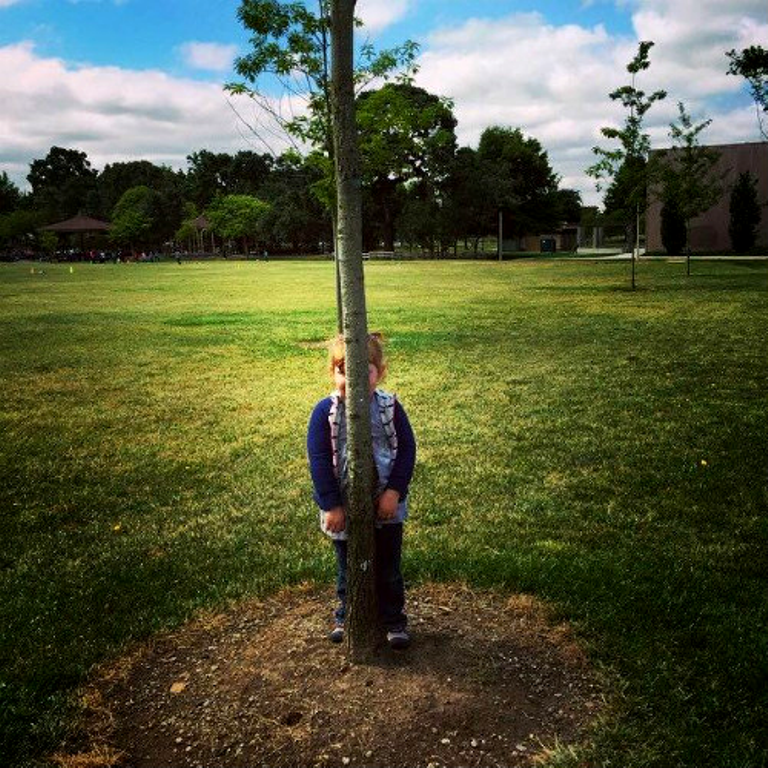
{"x": 709, "y": 231}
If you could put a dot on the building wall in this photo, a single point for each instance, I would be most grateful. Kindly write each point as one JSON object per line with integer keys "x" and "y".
{"x": 709, "y": 232}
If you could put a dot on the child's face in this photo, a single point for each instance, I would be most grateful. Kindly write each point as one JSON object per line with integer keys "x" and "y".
{"x": 340, "y": 377}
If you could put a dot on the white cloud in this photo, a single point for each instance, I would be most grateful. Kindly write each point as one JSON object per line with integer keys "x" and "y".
{"x": 553, "y": 81}
{"x": 216, "y": 57}
{"x": 379, "y": 14}
{"x": 115, "y": 114}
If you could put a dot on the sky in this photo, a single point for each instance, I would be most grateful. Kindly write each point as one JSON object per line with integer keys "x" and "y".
{"x": 143, "y": 79}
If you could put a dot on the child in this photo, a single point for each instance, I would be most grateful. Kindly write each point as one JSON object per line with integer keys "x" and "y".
{"x": 394, "y": 454}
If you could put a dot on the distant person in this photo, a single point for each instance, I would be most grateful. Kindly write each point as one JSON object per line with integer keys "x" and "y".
{"x": 394, "y": 456}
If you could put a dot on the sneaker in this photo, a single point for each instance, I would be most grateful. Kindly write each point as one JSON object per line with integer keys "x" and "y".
{"x": 336, "y": 635}
{"x": 398, "y": 638}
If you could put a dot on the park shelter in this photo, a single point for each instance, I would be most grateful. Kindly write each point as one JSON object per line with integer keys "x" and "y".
{"x": 709, "y": 231}
{"x": 78, "y": 225}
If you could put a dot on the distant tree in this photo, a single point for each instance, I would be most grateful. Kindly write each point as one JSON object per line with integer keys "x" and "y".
{"x": 673, "y": 229}
{"x": 117, "y": 178}
{"x": 519, "y": 181}
{"x": 19, "y": 228}
{"x": 248, "y": 172}
{"x": 238, "y": 217}
{"x": 468, "y": 198}
{"x": 630, "y": 158}
{"x": 745, "y": 213}
{"x": 686, "y": 173}
{"x": 406, "y": 135}
{"x": 207, "y": 177}
{"x": 133, "y": 217}
{"x": 297, "y": 218}
{"x": 568, "y": 205}
{"x": 63, "y": 184}
{"x": 752, "y": 64}
{"x": 211, "y": 174}
{"x": 10, "y": 195}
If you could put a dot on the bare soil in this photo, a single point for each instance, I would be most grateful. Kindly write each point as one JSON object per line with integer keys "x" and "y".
{"x": 488, "y": 681}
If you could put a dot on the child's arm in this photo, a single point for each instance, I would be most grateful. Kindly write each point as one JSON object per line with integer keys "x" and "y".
{"x": 320, "y": 455}
{"x": 402, "y": 470}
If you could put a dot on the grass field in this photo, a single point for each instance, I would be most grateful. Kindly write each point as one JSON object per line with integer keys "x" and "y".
{"x": 601, "y": 448}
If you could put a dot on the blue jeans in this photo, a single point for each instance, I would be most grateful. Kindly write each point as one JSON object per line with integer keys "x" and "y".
{"x": 390, "y": 587}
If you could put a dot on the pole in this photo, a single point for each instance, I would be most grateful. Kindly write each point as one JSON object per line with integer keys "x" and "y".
{"x": 501, "y": 233}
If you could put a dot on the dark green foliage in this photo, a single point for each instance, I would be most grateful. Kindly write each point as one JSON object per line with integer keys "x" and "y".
{"x": 519, "y": 180}
{"x": 745, "y": 213}
{"x": 10, "y": 196}
{"x": 407, "y": 135}
{"x": 673, "y": 232}
{"x": 63, "y": 184}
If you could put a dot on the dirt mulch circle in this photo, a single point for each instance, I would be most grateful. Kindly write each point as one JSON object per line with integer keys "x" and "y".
{"x": 490, "y": 680}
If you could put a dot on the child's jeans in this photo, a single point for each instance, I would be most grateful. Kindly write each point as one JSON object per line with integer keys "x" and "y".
{"x": 390, "y": 588}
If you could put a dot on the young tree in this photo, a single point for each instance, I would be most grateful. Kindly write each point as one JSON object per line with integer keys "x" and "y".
{"x": 631, "y": 156}
{"x": 360, "y": 622}
{"x": 686, "y": 172}
{"x": 752, "y": 64}
{"x": 745, "y": 213}
{"x": 292, "y": 48}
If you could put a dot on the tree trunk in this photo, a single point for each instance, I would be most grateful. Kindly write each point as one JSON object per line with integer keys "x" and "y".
{"x": 361, "y": 619}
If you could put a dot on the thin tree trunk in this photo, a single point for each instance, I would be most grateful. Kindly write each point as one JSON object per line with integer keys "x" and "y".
{"x": 360, "y": 623}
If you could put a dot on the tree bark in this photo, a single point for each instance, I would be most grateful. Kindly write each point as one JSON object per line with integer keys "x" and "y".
{"x": 361, "y": 619}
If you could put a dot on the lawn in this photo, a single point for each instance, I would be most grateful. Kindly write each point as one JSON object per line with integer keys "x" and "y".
{"x": 601, "y": 448}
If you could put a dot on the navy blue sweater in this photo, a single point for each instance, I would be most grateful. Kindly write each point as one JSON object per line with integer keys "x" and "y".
{"x": 327, "y": 493}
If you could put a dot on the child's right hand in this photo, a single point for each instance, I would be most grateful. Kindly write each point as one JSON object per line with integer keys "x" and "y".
{"x": 335, "y": 520}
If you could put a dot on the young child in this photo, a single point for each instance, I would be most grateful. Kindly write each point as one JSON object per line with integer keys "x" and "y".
{"x": 394, "y": 455}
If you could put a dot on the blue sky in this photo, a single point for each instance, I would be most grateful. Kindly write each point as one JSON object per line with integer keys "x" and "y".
{"x": 135, "y": 79}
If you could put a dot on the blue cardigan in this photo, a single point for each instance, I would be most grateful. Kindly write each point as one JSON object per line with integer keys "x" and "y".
{"x": 327, "y": 493}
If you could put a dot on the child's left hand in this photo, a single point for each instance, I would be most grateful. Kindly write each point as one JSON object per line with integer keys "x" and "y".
{"x": 386, "y": 508}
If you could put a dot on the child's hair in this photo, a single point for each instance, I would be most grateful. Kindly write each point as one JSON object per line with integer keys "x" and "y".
{"x": 337, "y": 352}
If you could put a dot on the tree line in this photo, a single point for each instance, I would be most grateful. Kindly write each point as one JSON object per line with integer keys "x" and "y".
{"x": 420, "y": 189}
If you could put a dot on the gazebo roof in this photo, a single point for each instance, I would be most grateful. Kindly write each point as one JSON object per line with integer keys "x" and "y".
{"x": 78, "y": 224}
{"x": 201, "y": 222}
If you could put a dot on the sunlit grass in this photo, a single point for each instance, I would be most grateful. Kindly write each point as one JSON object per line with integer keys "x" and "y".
{"x": 599, "y": 447}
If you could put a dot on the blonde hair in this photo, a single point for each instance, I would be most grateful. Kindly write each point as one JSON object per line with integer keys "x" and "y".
{"x": 337, "y": 352}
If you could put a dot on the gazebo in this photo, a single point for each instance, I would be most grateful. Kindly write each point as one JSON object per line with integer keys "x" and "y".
{"x": 78, "y": 225}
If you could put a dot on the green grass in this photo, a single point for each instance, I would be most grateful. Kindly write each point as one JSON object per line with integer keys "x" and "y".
{"x": 601, "y": 448}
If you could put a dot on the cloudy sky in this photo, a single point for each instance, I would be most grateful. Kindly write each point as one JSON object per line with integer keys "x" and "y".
{"x": 142, "y": 79}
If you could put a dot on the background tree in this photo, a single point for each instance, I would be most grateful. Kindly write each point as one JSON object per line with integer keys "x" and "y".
{"x": 19, "y": 230}
{"x": 297, "y": 218}
{"x": 745, "y": 213}
{"x": 406, "y": 135}
{"x": 673, "y": 229}
{"x": 360, "y": 622}
{"x": 10, "y": 195}
{"x": 63, "y": 184}
{"x": 133, "y": 217}
{"x": 752, "y": 64}
{"x": 519, "y": 181}
{"x": 631, "y": 156}
{"x": 238, "y": 217}
{"x": 468, "y": 199}
{"x": 689, "y": 184}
